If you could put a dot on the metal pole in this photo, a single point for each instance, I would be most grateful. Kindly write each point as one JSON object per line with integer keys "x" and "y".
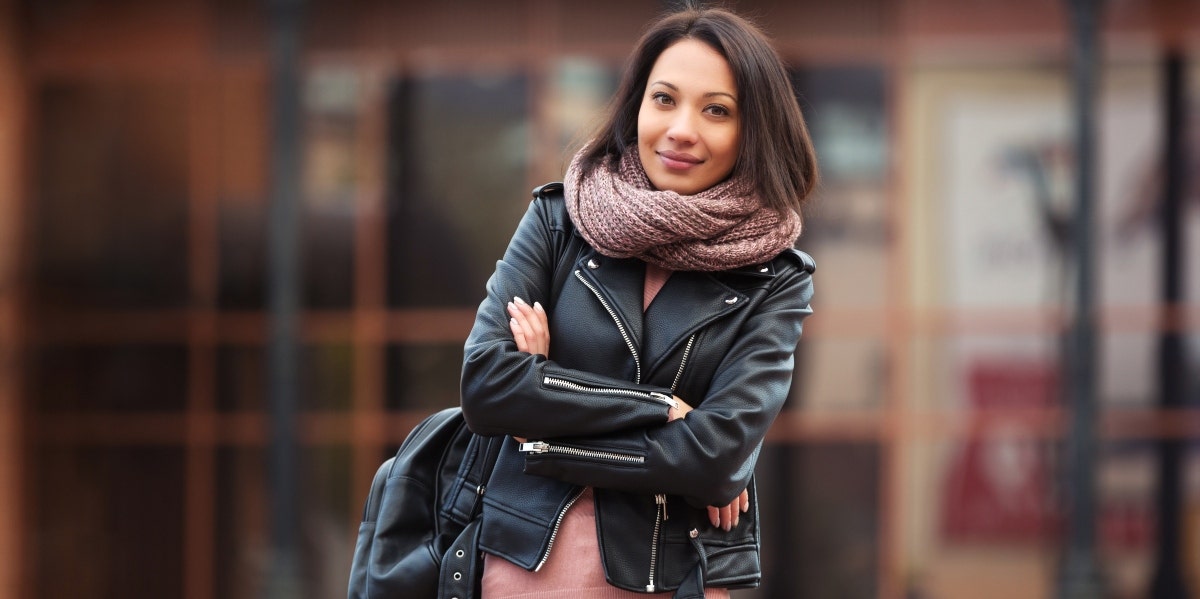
{"x": 1080, "y": 574}
{"x": 1168, "y": 580}
{"x": 283, "y": 295}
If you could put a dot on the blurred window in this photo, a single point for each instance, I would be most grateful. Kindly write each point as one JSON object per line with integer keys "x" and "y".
{"x": 458, "y": 150}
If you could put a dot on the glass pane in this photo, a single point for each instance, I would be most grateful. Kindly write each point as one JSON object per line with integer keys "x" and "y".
{"x": 121, "y": 378}
{"x": 325, "y": 373}
{"x": 331, "y": 107}
{"x": 243, "y": 522}
{"x": 242, "y": 236}
{"x": 1127, "y": 370}
{"x": 423, "y": 377}
{"x": 110, "y": 229}
{"x": 326, "y": 377}
{"x": 109, "y": 522}
{"x": 846, "y": 220}
{"x": 819, "y": 505}
{"x": 839, "y": 373}
{"x": 458, "y": 148}
{"x": 983, "y": 514}
{"x": 241, "y": 378}
{"x": 243, "y": 525}
{"x": 242, "y": 209}
{"x": 580, "y": 87}
{"x": 990, "y": 372}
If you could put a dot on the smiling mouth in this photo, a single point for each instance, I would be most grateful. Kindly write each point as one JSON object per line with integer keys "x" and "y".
{"x": 678, "y": 160}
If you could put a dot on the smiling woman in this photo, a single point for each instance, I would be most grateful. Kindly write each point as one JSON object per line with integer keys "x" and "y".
{"x": 663, "y": 268}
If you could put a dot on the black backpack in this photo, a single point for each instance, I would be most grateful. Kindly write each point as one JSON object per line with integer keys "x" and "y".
{"x": 421, "y": 513}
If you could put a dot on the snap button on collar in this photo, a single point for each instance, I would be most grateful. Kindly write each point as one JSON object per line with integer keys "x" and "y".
{"x": 732, "y": 300}
{"x": 592, "y": 264}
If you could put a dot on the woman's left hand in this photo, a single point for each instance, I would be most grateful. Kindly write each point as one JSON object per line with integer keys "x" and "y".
{"x": 529, "y": 326}
{"x": 727, "y": 517}
{"x": 530, "y": 329}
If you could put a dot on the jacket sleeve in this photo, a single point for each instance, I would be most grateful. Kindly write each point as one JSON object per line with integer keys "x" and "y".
{"x": 709, "y": 456}
{"x": 504, "y": 391}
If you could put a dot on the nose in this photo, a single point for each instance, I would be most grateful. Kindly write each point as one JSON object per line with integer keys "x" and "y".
{"x": 683, "y": 128}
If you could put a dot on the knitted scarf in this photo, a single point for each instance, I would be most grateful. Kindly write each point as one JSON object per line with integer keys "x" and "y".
{"x": 723, "y": 227}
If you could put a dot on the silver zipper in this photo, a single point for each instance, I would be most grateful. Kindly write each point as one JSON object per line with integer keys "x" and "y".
{"x": 573, "y": 386}
{"x": 620, "y": 326}
{"x": 539, "y": 447}
{"x": 554, "y": 531}
{"x": 687, "y": 351}
{"x": 660, "y": 515}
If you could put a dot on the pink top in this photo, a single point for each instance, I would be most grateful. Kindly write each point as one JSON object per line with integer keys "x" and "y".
{"x": 573, "y": 569}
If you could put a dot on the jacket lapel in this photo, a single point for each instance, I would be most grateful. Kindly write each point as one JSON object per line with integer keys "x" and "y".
{"x": 688, "y": 301}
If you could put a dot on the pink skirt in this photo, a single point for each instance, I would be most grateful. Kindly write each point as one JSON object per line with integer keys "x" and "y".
{"x": 573, "y": 571}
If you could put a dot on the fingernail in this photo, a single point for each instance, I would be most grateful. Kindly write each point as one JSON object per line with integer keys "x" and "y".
{"x": 714, "y": 521}
{"x": 513, "y": 322}
{"x": 519, "y": 301}
{"x": 538, "y": 306}
{"x": 745, "y": 507}
{"x": 512, "y": 306}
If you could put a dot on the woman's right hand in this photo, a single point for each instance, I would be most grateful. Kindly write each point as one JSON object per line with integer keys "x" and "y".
{"x": 529, "y": 326}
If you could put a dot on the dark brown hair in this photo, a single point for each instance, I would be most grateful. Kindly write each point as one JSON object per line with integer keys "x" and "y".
{"x": 776, "y": 151}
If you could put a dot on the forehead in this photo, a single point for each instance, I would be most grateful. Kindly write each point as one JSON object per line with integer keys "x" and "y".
{"x": 690, "y": 64}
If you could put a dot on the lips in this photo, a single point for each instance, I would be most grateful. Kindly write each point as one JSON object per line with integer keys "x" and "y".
{"x": 678, "y": 160}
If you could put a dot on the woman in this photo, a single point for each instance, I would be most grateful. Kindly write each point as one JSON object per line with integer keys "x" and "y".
{"x": 663, "y": 271}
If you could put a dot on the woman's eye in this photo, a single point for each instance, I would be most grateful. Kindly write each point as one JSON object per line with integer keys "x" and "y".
{"x": 717, "y": 110}
{"x": 662, "y": 98}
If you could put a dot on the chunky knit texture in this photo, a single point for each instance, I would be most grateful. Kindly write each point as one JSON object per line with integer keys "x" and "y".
{"x": 725, "y": 226}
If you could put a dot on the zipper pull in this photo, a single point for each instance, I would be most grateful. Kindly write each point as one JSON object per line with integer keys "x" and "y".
{"x": 535, "y": 447}
{"x": 667, "y": 399}
{"x": 661, "y": 500}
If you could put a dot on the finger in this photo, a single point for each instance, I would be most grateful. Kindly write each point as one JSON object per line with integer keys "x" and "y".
{"x": 714, "y": 516}
{"x": 727, "y": 517}
{"x": 526, "y": 316}
{"x": 518, "y": 335}
{"x": 535, "y": 321}
{"x": 745, "y": 501}
{"x": 522, "y": 318}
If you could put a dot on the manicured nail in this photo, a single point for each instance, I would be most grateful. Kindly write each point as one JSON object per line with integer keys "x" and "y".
{"x": 538, "y": 306}
{"x": 745, "y": 507}
{"x": 519, "y": 301}
{"x": 513, "y": 322}
{"x": 714, "y": 520}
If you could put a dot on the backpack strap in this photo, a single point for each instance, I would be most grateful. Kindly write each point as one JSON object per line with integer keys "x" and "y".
{"x": 465, "y": 499}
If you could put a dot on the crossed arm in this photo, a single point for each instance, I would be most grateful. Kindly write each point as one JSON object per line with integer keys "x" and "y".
{"x": 531, "y": 331}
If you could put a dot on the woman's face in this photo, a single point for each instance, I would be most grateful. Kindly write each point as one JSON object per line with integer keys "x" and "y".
{"x": 688, "y": 129}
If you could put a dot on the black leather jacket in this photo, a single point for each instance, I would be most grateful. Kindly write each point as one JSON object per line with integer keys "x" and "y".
{"x": 595, "y": 412}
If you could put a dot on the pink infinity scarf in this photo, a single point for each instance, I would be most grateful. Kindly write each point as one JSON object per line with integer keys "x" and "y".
{"x": 723, "y": 227}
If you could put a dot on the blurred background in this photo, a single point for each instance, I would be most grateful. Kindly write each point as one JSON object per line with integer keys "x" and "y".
{"x": 187, "y": 412}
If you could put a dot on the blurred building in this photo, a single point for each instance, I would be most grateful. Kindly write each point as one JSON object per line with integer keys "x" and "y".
{"x": 920, "y": 453}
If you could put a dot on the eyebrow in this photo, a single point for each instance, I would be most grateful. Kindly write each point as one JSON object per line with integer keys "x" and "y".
{"x": 707, "y": 95}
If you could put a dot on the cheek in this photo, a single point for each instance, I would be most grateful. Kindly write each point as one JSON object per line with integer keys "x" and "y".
{"x": 727, "y": 147}
{"x": 645, "y": 126}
